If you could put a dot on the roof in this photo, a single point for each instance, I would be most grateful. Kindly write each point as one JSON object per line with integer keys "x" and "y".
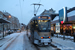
{"x": 4, "y": 21}
{"x": 71, "y": 9}
{"x": 71, "y": 19}
{"x": 72, "y": 13}
{"x": 50, "y": 12}
{"x": 56, "y": 18}
{"x": 54, "y": 22}
{"x": 36, "y": 17}
{"x": 53, "y": 15}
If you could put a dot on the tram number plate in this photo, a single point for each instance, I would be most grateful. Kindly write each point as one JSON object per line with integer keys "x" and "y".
{"x": 45, "y": 43}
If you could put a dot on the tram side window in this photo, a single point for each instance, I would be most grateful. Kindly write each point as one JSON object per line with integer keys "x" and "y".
{"x": 32, "y": 27}
{"x": 32, "y": 24}
{"x": 36, "y": 25}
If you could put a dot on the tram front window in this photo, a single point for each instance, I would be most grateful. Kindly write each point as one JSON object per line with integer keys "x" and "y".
{"x": 44, "y": 24}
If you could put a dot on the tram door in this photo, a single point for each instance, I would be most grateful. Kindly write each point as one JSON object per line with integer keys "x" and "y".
{"x": 32, "y": 30}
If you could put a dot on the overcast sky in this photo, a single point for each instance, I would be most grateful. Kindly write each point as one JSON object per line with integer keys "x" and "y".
{"x": 23, "y": 10}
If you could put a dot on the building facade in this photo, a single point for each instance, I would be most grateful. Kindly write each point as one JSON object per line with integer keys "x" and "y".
{"x": 68, "y": 26}
{"x": 14, "y": 22}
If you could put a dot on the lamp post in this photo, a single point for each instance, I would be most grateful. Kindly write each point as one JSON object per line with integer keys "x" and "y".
{"x": 9, "y": 18}
{"x": 3, "y": 30}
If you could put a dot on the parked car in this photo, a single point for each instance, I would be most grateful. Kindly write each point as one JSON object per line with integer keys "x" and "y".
{"x": 18, "y": 31}
{"x": 9, "y": 32}
{"x": 12, "y": 31}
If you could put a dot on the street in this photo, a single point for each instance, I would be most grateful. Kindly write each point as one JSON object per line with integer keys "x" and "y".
{"x": 21, "y": 42}
{"x": 37, "y": 25}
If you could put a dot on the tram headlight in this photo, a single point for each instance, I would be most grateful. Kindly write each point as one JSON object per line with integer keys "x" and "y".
{"x": 39, "y": 17}
{"x": 49, "y": 37}
{"x": 48, "y": 17}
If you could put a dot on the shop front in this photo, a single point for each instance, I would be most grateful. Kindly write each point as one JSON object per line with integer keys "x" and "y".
{"x": 73, "y": 27}
{"x": 69, "y": 27}
{"x": 53, "y": 26}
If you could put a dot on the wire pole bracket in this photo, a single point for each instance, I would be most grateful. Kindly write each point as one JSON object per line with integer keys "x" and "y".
{"x": 35, "y": 11}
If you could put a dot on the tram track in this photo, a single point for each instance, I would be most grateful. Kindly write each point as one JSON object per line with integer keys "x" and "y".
{"x": 52, "y": 47}
{"x": 11, "y": 42}
{"x": 27, "y": 44}
{"x": 23, "y": 42}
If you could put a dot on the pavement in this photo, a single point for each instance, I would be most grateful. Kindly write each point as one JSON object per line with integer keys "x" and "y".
{"x": 16, "y": 41}
{"x": 1, "y": 36}
{"x": 7, "y": 40}
{"x": 66, "y": 44}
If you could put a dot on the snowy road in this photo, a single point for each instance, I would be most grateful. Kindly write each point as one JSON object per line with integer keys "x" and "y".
{"x": 27, "y": 44}
{"x": 17, "y": 44}
{"x": 21, "y": 42}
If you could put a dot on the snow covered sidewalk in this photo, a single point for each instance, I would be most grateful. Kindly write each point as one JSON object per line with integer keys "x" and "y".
{"x": 8, "y": 39}
{"x": 63, "y": 44}
{"x": 66, "y": 37}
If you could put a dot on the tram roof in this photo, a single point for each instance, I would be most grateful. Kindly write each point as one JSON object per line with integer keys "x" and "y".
{"x": 54, "y": 15}
{"x": 36, "y": 17}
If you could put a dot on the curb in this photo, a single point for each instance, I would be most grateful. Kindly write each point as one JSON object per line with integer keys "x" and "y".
{"x": 55, "y": 47}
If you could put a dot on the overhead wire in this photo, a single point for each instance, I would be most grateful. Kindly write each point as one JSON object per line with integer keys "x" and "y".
{"x": 39, "y": 1}
{"x": 21, "y": 10}
{"x": 38, "y": 7}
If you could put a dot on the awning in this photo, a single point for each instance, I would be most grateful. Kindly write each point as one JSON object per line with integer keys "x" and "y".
{"x": 4, "y": 20}
{"x": 71, "y": 9}
{"x": 53, "y": 16}
{"x": 54, "y": 22}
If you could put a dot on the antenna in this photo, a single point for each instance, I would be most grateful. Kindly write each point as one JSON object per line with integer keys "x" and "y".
{"x": 35, "y": 11}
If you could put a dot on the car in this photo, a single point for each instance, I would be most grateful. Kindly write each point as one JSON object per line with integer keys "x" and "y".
{"x": 9, "y": 32}
{"x": 18, "y": 31}
{"x": 12, "y": 31}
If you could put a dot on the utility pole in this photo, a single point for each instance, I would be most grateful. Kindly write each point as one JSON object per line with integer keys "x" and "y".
{"x": 3, "y": 30}
{"x": 35, "y": 11}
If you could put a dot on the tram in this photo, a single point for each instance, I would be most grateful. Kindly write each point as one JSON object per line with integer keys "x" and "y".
{"x": 40, "y": 30}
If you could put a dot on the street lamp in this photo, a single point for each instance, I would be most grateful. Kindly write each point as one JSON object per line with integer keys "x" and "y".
{"x": 9, "y": 19}
{"x": 9, "y": 16}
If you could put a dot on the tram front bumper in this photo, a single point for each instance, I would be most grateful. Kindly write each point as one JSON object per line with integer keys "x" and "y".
{"x": 45, "y": 41}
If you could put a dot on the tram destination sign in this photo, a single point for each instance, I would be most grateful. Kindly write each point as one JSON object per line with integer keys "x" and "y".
{"x": 44, "y": 17}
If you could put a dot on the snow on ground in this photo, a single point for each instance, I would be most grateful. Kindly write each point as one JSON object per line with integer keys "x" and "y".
{"x": 16, "y": 41}
{"x": 28, "y": 44}
{"x": 63, "y": 44}
{"x": 17, "y": 44}
{"x": 8, "y": 39}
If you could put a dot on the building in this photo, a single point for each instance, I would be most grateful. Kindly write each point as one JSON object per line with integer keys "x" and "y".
{"x": 14, "y": 21}
{"x": 3, "y": 20}
{"x": 49, "y": 12}
{"x": 67, "y": 26}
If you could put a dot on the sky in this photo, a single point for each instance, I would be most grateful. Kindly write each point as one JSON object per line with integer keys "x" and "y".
{"x": 24, "y": 11}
